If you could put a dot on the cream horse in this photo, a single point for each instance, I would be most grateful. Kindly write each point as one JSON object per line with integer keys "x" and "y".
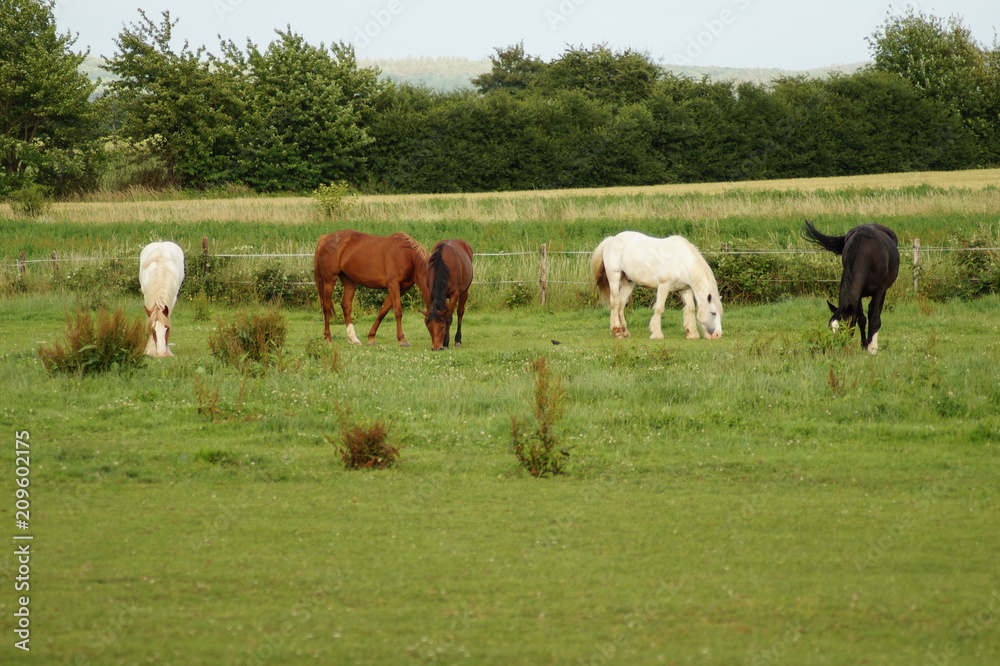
{"x": 665, "y": 264}
{"x": 161, "y": 271}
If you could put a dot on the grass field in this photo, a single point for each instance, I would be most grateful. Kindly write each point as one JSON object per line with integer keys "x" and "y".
{"x": 767, "y": 498}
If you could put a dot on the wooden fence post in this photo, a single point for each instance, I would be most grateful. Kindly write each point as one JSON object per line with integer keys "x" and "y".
{"x": 204, "y": 254}
{"x": 543, "y": 275}
{"x": 916, "y": 265}
{"x": 55, "y": 264}
{"x": 22, "y": 265}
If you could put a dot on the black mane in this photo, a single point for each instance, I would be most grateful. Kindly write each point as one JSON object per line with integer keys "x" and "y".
{"x": 439, "y": 289}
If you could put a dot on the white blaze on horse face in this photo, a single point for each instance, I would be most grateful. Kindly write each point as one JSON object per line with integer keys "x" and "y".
{"x": 159, "y": 340}
{"x": 834, "y": 325}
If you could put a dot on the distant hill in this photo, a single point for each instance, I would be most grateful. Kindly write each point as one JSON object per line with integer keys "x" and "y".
{"x": 448, "y": 74}
{"x": 457, "y": 73}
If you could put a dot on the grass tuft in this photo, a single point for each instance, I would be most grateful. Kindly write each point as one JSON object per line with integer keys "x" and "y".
{"x": 113, "y": 342}
{"x": 538, "y": 451}
{"x": 363, "y": 445}
{"x": 249, "y": 339}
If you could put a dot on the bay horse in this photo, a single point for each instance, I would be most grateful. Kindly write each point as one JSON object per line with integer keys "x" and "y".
{"x": 665, "y": 264}
{"x": 870, "y": 256}
{"x": 161, "y": 271}
{"x": 449, "y": 274}
{"x": 394, "y": 263}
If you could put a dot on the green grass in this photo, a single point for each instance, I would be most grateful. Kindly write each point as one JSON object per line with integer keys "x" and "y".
{"x": 748, "y": 500}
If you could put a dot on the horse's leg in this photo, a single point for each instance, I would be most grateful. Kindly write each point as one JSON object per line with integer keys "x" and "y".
{"x": 326, "y": 299}
{"x": 382, "y": 312}
{"x": 464, "y": 296}
{"x": 875, "y": 320}
{"x": 346, "y": 304}
{"x": 861, "y": 324}
{"x": 655, "y": 325}
{"x": 690, "y": 321}
{"x": 624, "y": 291}
{"x": 391, "y": 300}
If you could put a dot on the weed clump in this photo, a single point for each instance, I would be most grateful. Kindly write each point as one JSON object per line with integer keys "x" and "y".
{"x": 115, "y": 342}
{"x": 363, "y": 445}
{"x": 335, "y": 198}
{"x": 538, "y": 451}
{"x": 249, "y": 339}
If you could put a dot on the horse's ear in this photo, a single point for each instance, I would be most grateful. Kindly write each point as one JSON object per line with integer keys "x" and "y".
{"x": 425, "y": 313}
{"x": 148, "y": 311}
{"x": 833, "y": 308}
{"x": 166, "y": 311}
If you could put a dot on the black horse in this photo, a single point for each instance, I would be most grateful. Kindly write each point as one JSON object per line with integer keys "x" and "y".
{"x": 871, "y": 264}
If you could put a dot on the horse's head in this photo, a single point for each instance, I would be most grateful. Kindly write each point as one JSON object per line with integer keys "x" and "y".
{"x": 437, "y": 326}
{"x": 159, "y": 332}
{"x": 844, "y": 315}
{"x": 710, "y": 317}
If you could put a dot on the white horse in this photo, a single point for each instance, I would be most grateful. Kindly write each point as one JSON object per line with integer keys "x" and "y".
{"x": 161, "y": 271}
{"x": 666, "y": 264}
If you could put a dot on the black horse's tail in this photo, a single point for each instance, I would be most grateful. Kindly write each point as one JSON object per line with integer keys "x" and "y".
{"x": 834, "y": 244}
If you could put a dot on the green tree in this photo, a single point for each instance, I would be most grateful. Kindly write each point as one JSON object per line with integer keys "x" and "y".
{"x": 48, "y": 130}
{"x": 177, "y": 103}
{"x": 605, "y": 75}
{"x": 306, "y": 107}
{"x": 513, "y": 71}
{"x": 942, "y": 60}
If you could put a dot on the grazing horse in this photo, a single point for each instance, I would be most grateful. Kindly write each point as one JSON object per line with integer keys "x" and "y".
{"x": 161, "y": 271}
{"x": 665, "y": 264}
{"x": 449, "y": 274}
{"x": 870, "y": 257}
{"x": 394, "y": 263}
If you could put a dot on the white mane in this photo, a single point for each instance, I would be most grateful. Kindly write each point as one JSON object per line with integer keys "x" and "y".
{"x": 161, "y": 271}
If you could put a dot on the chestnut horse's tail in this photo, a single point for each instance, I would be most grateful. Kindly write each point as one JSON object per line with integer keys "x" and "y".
{"x": 326, "y": 264}
{"x": 834, "y": 244}
{"x": 600, "y": 275}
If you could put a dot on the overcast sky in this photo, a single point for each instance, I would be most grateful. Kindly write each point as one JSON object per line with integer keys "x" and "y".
{"x": 788, "y": 34}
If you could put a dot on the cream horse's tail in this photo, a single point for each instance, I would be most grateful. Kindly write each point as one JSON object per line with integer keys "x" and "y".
{"x": 600, "y": 275}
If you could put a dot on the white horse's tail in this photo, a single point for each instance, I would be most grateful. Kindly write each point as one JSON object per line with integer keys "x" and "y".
{"x": 600, "y": 274}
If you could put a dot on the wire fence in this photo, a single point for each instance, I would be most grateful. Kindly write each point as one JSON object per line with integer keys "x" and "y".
{"x": 917, "y": 259}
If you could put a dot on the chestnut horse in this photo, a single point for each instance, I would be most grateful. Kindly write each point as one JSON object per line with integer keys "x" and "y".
{"x": 394, "y": 263}
{"x": 870, "y": 257}
{"x": 449, "y": 274}
{"x": 161, "y": 271}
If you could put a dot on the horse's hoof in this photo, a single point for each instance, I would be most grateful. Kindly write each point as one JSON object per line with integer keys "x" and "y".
{"x": 404, "y": 343}
{"x": 458, "y": 344}
{"x": 656, "y": 336}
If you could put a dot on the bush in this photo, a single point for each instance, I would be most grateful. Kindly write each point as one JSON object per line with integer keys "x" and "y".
{"x": 537, "y": 451}
{"x": 363, "y": 445}
{"x": 249, "y": 339}
{"x": 115, "y": 343}
{"x": 335, "y": 198}
{"x": 518, "y": 295}
{"x": 31, "y": 200}
{"x": 273, "y": 284}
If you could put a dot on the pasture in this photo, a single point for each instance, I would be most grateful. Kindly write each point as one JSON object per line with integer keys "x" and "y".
{"x": 772, "y": 497}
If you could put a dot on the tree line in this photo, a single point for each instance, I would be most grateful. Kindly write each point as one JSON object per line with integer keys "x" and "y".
{"x": 293, "y": 115}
